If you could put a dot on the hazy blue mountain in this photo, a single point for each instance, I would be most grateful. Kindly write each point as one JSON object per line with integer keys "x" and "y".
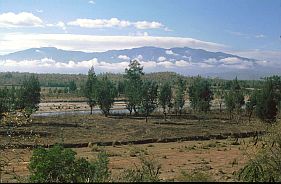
{"x": 144, "y": 53}
{"x": 223, "y": 65}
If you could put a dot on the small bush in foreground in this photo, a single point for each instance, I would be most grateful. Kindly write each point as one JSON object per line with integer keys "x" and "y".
{"x": 148, "y": 172}
{"x": 266, "y": 166}
{"x": 58, "y": 164}
{"x": 195, "y": 176}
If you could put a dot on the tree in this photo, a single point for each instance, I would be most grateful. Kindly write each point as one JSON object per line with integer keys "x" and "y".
{"x": 66, "y": 90}
{"x": 200, "y": 95}
{"x": 149, "y": 97}
{"x": 234, "y": 99}
{"x": 219, "y": 95}
{"x": 268, "y": 99}
{"x": 133, "y": 84}
{"x": 106, "y": 94}
{"x": 91, "y": 88}
{"x": 165, "y": 97}
{"x": 179, "y": 97}
{"x": 120, "y": 87}
{"x": 251, "y": 104}
{"x": 3, "y": 102}
{"x": 59, "y": 165}
{"x": 29, "y": 95}
{"x": 72, "y": 86}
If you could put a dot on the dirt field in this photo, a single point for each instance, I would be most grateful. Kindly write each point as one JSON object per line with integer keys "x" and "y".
{"x": 219, "y": 158}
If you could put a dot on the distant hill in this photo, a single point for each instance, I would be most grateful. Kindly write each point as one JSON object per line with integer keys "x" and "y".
{"x": 114, "y": 56}
{"x": 195, "y": 61}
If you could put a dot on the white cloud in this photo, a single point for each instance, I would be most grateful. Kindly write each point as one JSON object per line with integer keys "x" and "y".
{"x": 260, "y": 36}
{"x": 99, "y": 23}
{"x": 12, "y": 42}
{"x": 212, "y": 61}
{"x": 139, "y": 34}
{"x": 125, "y": 57}
{"x": 139, "y": 57}
{"x": 182, "y": 63}
{"x": 231, "y": 60}
{"x": 92, "y": 2}
{"x": 23, "y": 19}
{"x": 166, "y": 64}
{"x": 61, "y": 25}
{"x": 262, "y": 55}
{"x": 170, "y": 52}
{"x": 46, "y": 65}
{"x": 114, "y": 22}
{"x": 168, "y": 29}
{"x": 147, "y": 25}
{"x": 162, "y": 58}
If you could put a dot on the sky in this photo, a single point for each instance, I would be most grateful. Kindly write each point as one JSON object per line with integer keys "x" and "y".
{"x": 249, "y": 28}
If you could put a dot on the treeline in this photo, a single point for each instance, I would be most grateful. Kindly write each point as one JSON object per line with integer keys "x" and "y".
{"x": 143, "y": 96}
{"x": 63, "y": 80}
{"x": 24, "y": 98}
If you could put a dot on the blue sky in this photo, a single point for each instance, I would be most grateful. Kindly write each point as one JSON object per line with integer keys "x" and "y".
{"x": 250, "y": 28}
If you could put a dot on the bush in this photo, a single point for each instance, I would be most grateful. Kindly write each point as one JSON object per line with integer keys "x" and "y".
{"x": 148, "y": 172}
{"x": 266, "y": 166}
{"x": 194, "y": 176}
{"x": 58, "y": 164}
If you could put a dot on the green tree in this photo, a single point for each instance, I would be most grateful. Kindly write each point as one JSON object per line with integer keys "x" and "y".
{"x": 219, "y": 95}
{"x": 149, "y": 98}
{"x": 133, "y": 84}
{"x": 251, "y": 104}
{"x": 179, "y": 97}
{"x": 120, "y": 87}
{"x": 65, "y": 90}
{"x": 165, "y": 97}
{"x": 29, "y": 95}
{"x": 91, "y": 88}
{"x": 234, "y": 99}
{"x": 268, "y": 99}
{"x": 72, "y": 86}
{"x": 106, "y": 94}
{"x": 59, "y": 165}
{"x": 4, "y": 107}
{"x": 200, "y": 95}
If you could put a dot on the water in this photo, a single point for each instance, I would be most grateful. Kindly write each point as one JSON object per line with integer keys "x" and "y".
{"x": 63, "y": 113}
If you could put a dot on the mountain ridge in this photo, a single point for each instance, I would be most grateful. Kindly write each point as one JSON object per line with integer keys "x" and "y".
{"x": 184, "y": 60}
{"x": 146, "y": 53}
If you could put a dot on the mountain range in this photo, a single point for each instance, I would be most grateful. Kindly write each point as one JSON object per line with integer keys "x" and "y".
{"x": 142, "y": 53}
{"x": 193, "y": 61}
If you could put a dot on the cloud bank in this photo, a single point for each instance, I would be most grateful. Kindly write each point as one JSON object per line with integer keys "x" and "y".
{"x": 89, "y": 43}
{"x": 48, "y": 65}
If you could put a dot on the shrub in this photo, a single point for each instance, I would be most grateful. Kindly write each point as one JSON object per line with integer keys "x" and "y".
{"x": 194, "y": 176}
{"x": 266, "y": 166}
{"x": 58, "y": 164}
{"x": 148, "y": 172}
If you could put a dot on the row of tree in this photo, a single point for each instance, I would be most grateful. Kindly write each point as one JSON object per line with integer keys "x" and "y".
{"x": 144, "y": 96}
{"x": 141, "y": 96}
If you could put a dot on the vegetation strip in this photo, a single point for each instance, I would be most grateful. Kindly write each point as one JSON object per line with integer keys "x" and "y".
{"x": 148, "y": 141}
